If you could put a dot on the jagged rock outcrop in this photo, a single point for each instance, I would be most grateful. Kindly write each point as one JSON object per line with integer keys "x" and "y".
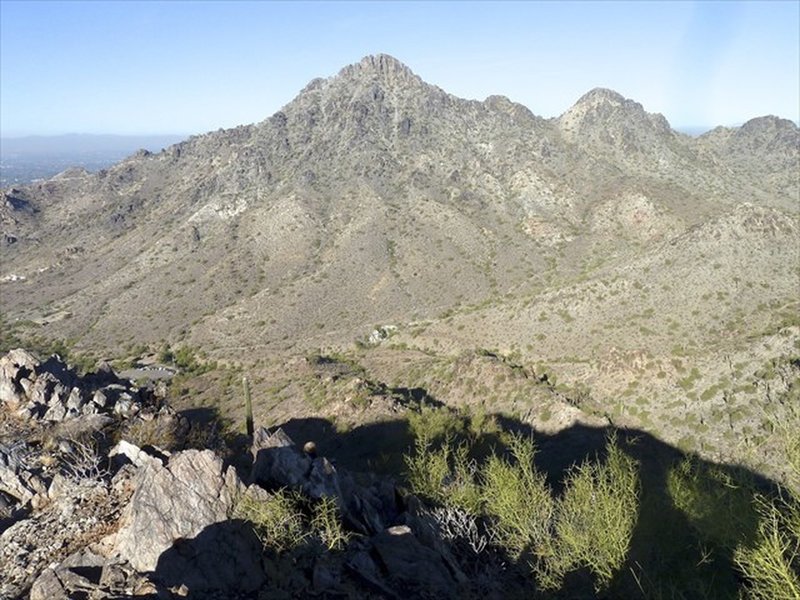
{"x": 177, "y": 526}
{"x": 17, "y": 478}
{"x": 51, "y": 391}
{"x": 175, "y": 501}
{"x": 278, "y": 462}
{"x": 74, "y": 514}
{"x": 83, "y": 519}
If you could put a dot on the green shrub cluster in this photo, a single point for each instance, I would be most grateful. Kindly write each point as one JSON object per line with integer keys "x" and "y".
{"x": 772, "y": 563}
{"x": 701, "y": 530}
{"x": 187, "y": 359}
{"x": 284, "y": 520}
{"x": 589, "y": 526}
{"x": 594, "y": 520}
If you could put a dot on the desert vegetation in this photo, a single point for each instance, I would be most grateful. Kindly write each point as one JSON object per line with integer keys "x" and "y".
{"x": 610, "y": 522}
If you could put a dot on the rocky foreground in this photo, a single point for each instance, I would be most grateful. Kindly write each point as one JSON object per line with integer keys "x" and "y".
{"x": 92, "y": 507}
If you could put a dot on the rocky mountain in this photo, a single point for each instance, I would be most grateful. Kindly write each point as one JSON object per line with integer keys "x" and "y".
{"x": 601, "y": 246}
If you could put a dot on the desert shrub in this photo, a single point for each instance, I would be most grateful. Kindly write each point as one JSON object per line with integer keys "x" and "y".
{"x": 427, "y": 469}
{"x": 481, "y": 424}
{"x": 276, "y": 518}
{"x": 594, "y": 520}
{"x": 83, "y": 461}
{"x": 187, "y": 359}
{"x": 771, "y": 565}
{"x": 461, "y": 528}
{"x": 326, "y": 523}
{"x": 517, "y": 499}
{"x": 436, "y": 424}
{"x": 786, "y": 432}
{"x": 717, "y": 504}
{"x": 461, "y": 488}
{"x": 162, "y": 433}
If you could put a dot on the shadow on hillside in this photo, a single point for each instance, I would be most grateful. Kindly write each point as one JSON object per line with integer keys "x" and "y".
{"x": 674, "y": 552}
{"x": 671, "y": 553}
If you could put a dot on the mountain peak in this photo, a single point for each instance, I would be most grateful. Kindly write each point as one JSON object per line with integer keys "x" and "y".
{"x": 768, "y": 123}
{"x": 601, "y": 95}
{"x": 382, "y": 63}
{"x": 602, "y": 110}
{"x": 378, "y": 66}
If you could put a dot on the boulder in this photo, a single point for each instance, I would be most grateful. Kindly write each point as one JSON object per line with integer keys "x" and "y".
{"x": 16, "y": 479}
{"x": 279, "y": 463}
{"x": 125, "y": 452}
{"x": 414, "y": 568}
{"x": 53, "y": 392}
{"x": 177, "y": 526}
{"x": 16, "y": 366}
{"x": 86, "y": 574}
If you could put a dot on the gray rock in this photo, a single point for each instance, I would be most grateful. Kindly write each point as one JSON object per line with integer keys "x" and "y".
{"x": 126, "y": 406}
{"x": 100, "y": 398}
{"x": 75, "y": 400}
{"x": 177, "y": 525}
{"x": 126, "y": 452}
{"x": 27, "y": 385}
{"x": 56, "y": 412}
{"x": 279, "y": 463}
{"x": 15, "y": 478}
{"x": 362, "y": 564}
{"x": 413, "y": 567}
{"x": 48, "y": 586}
{"x": 15, "y": 367}
{"x": 263, "y": 438}
{"x": 85, "y": 574}
{"x": 80, "y": 426}
{"x": 223, "y": 556}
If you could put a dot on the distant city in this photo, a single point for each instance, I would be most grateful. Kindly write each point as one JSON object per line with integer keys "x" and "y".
{"x": 27, "y": 159}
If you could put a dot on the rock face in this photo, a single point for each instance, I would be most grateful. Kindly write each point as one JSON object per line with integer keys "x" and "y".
{"x": 278, "y": 463}
{"x": 17, "y": 479}
{"x": 414, "y": 567}
{"x": 178, "y": 526}
{"x": 175, "y": 501}
{"x": 51, "y": 391}
{"x": 74, "y": 515}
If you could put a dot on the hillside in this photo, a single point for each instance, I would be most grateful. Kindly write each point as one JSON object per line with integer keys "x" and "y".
{"x": 651, "y": 276}
{"x": 107, "y": 491}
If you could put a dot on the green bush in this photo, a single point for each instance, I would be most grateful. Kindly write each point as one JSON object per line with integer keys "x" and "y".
{"x": 436, "y": 424}
{"x": 326, "y": 522}
{"x": 594, "y": 520}
{"x": 716, "y": 504}
{"x": 517, "y": 499}
{"x": 427, "y": 469}
{"x": 277, "y": 519}
{"x": 771, "y": 566}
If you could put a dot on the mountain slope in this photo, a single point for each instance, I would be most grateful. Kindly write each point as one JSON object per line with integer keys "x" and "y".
{"x": 352, "y": 206}
{"x": 611, "y": 269}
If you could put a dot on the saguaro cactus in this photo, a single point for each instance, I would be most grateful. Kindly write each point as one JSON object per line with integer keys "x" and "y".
{"x": 248, "y": 406}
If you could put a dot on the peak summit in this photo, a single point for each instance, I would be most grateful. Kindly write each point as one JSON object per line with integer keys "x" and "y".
{"x": 378, "y": 65}
{"x": 382, "y": 63}
{"x": 601, "y": 95}
{"x": 602, "y": 110}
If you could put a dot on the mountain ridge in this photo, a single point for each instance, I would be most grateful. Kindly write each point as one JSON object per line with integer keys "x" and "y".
{"x": 374, "y": 198}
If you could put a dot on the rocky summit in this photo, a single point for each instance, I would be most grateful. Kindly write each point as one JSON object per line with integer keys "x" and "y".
{"x": 385, "y": 270}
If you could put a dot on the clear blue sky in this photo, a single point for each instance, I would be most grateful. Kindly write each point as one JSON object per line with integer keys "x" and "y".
{"x": 189, "y": 67}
